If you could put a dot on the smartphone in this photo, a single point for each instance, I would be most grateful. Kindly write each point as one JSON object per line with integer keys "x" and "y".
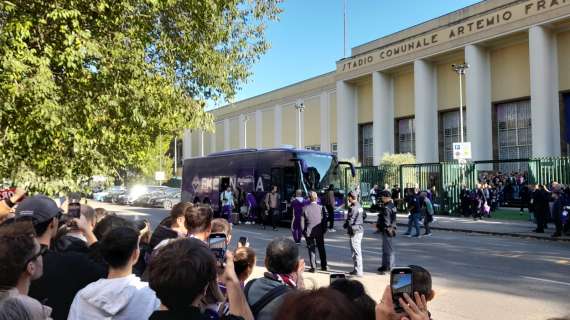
{"x": 400, "y": 283}
{"x": 74, "y": 210}
{"x": 243, "y": 241}
{"x": 336, "y": 276}
{"x": 218, "y": 245}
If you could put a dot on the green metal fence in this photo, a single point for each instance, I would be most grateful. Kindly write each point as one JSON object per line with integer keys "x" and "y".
{"x": 367, "y": 177}
{"x": 446, "y": 179}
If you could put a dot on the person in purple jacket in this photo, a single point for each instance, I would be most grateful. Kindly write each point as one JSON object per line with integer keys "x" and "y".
{"x": 297, "y": 202}
{"x": 251, "y": 207}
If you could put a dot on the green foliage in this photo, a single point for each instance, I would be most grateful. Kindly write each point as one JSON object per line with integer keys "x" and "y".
{"x": 87, "y": 87}
{"x": 397, "y": 159}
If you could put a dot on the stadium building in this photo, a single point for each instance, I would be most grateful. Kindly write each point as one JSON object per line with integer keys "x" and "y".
{"x": 400, "y": 94}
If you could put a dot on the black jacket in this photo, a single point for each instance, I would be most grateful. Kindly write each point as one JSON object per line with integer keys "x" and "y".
{"x": 161, "y": 233}
{"x": 69, "y": 243}
{"x": 65, "y": 273}
{"x": 386, "y": 216}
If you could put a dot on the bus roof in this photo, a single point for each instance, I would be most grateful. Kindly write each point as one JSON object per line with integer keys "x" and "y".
{"x": 253, "y": 150}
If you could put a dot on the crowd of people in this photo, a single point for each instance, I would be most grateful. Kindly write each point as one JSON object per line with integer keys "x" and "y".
{"x": 545, "y": 203}
{"x": 56, "y": 263}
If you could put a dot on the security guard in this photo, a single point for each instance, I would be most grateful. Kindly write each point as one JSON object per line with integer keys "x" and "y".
{"x": 386, "y": 226}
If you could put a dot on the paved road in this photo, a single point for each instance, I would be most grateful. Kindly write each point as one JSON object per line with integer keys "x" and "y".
{"x": 474, "y": 276}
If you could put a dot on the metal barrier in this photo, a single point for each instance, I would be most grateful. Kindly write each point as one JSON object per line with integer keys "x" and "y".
{"x": 446, "y": 179}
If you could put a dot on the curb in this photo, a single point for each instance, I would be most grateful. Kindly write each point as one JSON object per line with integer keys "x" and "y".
{"x": 493, "y": 233}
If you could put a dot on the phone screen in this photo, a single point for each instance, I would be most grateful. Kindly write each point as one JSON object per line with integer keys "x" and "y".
{"x": 218, "y": 245}
{"x": 74, "y": 210}
{"x": 400, "y": 282}
{"x": 336, "y": 276}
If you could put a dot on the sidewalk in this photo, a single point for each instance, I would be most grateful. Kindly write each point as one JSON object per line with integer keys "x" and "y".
{"x": 521, "y": 229}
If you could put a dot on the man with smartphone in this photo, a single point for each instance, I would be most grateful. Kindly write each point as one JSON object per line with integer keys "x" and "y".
{"x": 386, "y": 227}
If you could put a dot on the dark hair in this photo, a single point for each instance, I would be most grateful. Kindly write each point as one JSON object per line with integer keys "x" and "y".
{"x": 321, "y": 304}
{"x": 206, "y": 201}
{"x": 196, "y": 200}
{"x": 221, "y": 225}
{"x": 282, "y": 256}
{"x": 178, "y": 210}
{"x": 41, "y": 228}
{"x": 180, "y": 272}
{"x": 354, "y": 291}
{"x": 118, "y": 246}
{"x": 17, "y": 245}
{"x": 198, "y": 219}
{"x": 109, "y": 223}
{"x": 421, "y": 279}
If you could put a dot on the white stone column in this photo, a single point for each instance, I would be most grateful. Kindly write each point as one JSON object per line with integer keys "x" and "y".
{"x": 544, "y": 92}
{"x": 382, "y": 115}
{"x": 187, "y": 144}
{"x": 242, "y": 133}
{"x": 226, "y": 134}
{"x": 202, "y": 143}
{"x": 347, "y": 121}
{"x": 258, "y": 129}
{"x": 325, "y": 117}
{"x": 425, "y": 94}
{"x": 478, "y": 102}
{"x": 213, "y": 142}
{"x": 277, "y": 126}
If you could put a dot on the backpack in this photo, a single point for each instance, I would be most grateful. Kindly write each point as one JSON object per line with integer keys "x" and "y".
{"x": 266, "y": 298}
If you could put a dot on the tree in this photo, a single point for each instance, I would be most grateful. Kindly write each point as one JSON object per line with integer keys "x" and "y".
{"x": 87, "y": 87}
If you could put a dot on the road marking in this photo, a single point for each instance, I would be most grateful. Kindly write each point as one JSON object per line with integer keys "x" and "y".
{"x": 546, "y": 280}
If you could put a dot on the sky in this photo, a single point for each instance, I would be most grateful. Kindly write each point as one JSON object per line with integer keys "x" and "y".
{"x": 308, "y": 38}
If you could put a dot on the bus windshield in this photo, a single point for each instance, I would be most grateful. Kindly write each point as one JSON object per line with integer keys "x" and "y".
{"x": 318, "y": 170}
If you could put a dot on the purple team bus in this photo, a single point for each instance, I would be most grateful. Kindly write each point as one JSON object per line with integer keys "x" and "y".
{"x": 255, "y": 171}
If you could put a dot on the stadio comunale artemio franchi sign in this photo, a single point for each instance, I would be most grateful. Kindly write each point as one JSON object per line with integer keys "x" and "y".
{"x": 516, "y": 12}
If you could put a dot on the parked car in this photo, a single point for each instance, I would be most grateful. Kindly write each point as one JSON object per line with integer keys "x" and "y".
{"x": 100, "y": 196}
{"x": 113, "y": 196}
{"x": 140, "y": 195}
{"x": 167, "y": 200}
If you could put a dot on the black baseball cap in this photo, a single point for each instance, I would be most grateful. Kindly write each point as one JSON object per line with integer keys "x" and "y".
{"x": 385, "y": 193}
{"x": 40, "y": 208}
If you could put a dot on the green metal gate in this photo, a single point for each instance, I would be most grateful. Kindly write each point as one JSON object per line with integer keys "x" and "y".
{"x": 446, "y": 179}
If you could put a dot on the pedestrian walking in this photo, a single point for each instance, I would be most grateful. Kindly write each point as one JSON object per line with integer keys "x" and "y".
{"x": 272, "y": 201}
{"x": 428, "y": 212}
{"x": 313, "y": 226}
{"x": 355, "y": 229}
{"x": 330, "y": 202}
{"x": 413, "y": 207}
{"x": 386, "y": 226}
{"x": 297, "y": 203}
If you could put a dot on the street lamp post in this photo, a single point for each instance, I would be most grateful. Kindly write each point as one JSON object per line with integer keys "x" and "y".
{"x": 300, "y": 106}
{"x": 460, "y": 69}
